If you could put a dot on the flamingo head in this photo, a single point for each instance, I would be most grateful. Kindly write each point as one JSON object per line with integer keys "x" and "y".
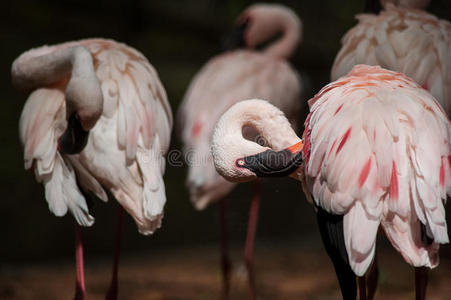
{"x": 238, "y": 159}
{"x": 84, "y": 106}
{"x": 259, "y": 24}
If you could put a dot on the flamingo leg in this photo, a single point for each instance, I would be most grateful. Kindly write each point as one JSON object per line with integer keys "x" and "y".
{"x": 250, "y": 238}
{"x": 80, "y": 290}
{"x": 331, "y": 230}
{"x": 113, "y": 289}
{"x": 225, "y": 261}
{"x": 372, "y": 278}
{"x": 421, "y": 281}
{"x": 362, "y": 288}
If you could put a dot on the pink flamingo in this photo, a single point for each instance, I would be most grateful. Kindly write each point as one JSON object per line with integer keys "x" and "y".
{"x": 404, "y": 39}
{"x": 97, "y": 118}
{"x": 375, "y": 151}
{"x": 223, "y": 81}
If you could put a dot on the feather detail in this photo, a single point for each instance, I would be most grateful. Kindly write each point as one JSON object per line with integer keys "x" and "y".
{"x": 41, "y": 123}
{"x": 62, "y": 193}
{"x": 405, "y": 40}
{"x": 399, "y": 176}
{"x": 136, "y": 118}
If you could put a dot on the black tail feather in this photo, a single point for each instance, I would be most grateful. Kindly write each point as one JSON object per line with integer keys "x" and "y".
{"x": 331, "y": 229}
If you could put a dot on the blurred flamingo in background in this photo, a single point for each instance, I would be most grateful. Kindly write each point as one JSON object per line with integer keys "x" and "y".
{"x": 404, "y": 39}
{"x": 376, "y": 151}
{"x": 227, "y": 79}
{"x": 97, "y": 118}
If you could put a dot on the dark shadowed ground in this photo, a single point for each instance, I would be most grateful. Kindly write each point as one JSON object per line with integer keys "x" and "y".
{"x": 284, "y": 271}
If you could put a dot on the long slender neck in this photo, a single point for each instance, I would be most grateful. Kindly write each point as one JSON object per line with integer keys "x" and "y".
{"x": 70, "y": 66}
{"x": 51, "y": 65}
{"x": 291, "y": 29}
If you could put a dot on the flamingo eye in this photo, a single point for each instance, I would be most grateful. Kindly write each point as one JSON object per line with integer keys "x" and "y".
{"x": 240, "y": 162}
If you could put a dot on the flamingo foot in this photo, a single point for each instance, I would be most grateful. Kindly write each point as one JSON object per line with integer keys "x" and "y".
{"x": 112, "y": 292}
{"x": 79, "y": 294}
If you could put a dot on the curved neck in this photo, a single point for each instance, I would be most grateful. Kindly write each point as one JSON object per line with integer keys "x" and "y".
{"x": 272, "y": 127}
{"x": 69, "y": 65}
{"x": 228, "y": 143}
{"x": 50, "y": 65}
{"x": 291, "y": 28}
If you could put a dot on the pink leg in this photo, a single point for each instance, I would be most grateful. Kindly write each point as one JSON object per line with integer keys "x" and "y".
{"x": 362, "y": 288}
{"x": 421, "y": 281}
{"x": 80, "y": 290}
{"x": 225, "y": 261}
{"x": 250, "y": 238}
{"x": 113, "y": 289}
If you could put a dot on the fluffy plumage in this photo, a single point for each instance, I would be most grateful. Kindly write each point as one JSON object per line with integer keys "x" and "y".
{"x": 377, "y": 150}
{"x": 126, "y": 147}
{"x": 405, "y": 40}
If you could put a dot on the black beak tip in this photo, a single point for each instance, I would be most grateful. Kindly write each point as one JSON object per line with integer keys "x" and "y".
{"x": 75, "y": 138}
{"x": 234, "y": 39}
{"x": 373, "y": 6}
{"x": 271, "y": 163}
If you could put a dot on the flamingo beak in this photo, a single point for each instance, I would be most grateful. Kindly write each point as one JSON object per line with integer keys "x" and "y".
{"x": 75, "y": 138}
{"x": 273, "y": 163}
{"x": 373, "y": 6}
{"x": 235, "y": 38}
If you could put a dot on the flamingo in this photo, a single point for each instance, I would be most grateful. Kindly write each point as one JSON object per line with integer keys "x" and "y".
{"x": 228, "y": 78}
{"x": 404, "y": 39}
{"x": 97, "y": 119}
{"x": 375, "y": 152}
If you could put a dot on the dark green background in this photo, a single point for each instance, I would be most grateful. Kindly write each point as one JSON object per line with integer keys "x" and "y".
{"x": 177, "y": 37}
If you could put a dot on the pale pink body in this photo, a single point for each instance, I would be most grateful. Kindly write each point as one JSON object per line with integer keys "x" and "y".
{"x": 376, "y": 150}
{"x": 405, "y": 40}
{"x": 231, "y": 77}
{"x": 126, "y": 146}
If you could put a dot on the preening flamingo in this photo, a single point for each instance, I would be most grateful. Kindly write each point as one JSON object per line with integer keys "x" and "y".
{"x": 97, "y": 119}
{"x": 376, "y": 151}
{"x": 227, "y": 79}
{"x": 402, "y": 39}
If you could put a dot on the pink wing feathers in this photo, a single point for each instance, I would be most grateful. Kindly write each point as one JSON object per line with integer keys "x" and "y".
{"x": 405, "y": 40}
{"x": 125, "y": 150}
{"x": 378, "y": 151}
{"x": 41, "y": 124}
{"x": 136, "y": 100}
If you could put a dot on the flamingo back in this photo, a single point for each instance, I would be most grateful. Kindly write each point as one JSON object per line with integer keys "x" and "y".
{"x": 377, "y": 150}
{"x": 405, "y": 40}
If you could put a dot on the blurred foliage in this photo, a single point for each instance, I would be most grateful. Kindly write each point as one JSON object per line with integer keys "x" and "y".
{"x": 178, "y": 37}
